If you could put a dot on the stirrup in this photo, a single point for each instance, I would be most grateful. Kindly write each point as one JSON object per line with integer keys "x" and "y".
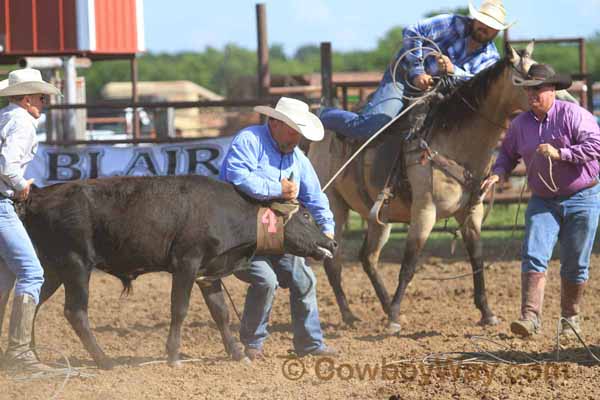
{"x": 382, "y": 199}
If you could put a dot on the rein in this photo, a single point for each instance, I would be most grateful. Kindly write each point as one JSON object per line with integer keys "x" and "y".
{"x": 486, "y": 118}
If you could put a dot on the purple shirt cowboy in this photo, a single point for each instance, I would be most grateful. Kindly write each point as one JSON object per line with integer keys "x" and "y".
{"x": 560, "y": 144}
{"x": 569, "y": 128}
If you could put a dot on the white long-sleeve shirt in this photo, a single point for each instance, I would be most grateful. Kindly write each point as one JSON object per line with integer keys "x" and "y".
{"x": 18, "y": 144}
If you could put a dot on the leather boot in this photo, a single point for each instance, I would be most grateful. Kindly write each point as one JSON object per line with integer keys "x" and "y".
{"x": 532, "y": 298}
{"x": 3, "y": 301}
{"x": 570, "y": 300}
{"x": 19, "y": 354}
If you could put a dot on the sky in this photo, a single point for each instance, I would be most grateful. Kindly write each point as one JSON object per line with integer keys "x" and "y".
{"x": 182, "y": 25}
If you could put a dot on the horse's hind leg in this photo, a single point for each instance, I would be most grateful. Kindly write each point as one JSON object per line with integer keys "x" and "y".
{"x": 423, "y": 215}
{"x": 377, "y": 236}
{"x": 333, "y": 266}
{"x": 471, "y": 233}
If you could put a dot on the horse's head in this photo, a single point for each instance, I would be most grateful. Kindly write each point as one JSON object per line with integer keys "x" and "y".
{"x": 520, "y": 62}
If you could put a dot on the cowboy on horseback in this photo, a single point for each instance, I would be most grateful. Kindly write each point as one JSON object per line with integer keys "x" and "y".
{"x": 467, "y": 47}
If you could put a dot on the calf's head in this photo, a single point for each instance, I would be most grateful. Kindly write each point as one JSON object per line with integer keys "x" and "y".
{"x": 302, "y": 236}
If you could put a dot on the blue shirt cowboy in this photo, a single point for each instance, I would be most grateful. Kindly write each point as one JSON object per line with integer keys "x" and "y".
{"x": 265, "y": 163}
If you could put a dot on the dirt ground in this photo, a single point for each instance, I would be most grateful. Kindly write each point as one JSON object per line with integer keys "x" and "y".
{"x": 439, "y": 317}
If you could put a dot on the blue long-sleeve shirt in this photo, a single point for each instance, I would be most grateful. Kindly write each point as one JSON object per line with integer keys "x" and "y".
{"x": 451, "y": 33}
{"x": 256, "y": 166}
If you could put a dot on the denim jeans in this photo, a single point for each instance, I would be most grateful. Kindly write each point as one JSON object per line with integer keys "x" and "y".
{"x": 265, "y": 274}
{"x": 383, "y": 106}
{"x": 18, "y": 254}
{"x": 571, "y": 220}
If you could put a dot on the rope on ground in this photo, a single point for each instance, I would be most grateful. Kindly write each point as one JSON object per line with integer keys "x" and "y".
{"x": 157, "y": 362}
{"x": 482, "y": 356}
{"x": 558, "y": 329}
{"x": 65, "y": 370}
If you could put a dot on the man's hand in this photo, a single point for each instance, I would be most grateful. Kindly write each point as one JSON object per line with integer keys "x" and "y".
{"x": 547, "y": 150}
{"x": 489, "y": 182}
{"x": 444, "y": 64}
{"x": 423, "y": 81}
{"x": 289, "y": 189}
{"x": 23, "y": 194}
{"x": 330, "y": 235}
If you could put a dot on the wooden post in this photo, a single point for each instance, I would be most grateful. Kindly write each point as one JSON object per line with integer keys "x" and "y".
{"x": 505, "y": 38}
{"x": 70, "y": 126}
{"x": 134, "y": 97}
{"x": 264, "y": 76}
{"x": 583, "y": 71}
{"x": 590, "y": 93}
{"x": 326, "y": 75}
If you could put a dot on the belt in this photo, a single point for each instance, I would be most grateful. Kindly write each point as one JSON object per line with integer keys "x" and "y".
{"x": 591, "y": 185}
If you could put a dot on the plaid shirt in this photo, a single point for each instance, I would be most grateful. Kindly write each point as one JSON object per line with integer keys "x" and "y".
{"x": 451, "y": 34}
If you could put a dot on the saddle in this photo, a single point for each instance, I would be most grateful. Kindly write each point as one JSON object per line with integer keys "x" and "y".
{"x": 402, "y": 144}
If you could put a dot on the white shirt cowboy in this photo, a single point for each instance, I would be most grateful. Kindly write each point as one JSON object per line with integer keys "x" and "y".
{"x": 18, "y": 144}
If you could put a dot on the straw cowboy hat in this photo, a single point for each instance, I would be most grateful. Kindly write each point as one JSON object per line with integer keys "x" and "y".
{"x": 491, "y": 13}
{"x": 296, "y": 115}
{"x": 25, "y": 81}
{"x": 544, "y": 74}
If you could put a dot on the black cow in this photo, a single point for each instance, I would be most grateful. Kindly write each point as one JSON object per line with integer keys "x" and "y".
{"x": 190, "y": 226}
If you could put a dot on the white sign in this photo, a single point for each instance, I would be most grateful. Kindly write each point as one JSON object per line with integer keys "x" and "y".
{"x": 56, "y": 164}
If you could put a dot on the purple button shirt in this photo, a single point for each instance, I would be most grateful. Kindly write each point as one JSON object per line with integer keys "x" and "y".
{"x": 569, "y": 128}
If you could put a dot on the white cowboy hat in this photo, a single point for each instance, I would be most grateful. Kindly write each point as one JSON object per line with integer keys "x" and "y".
{"x": 491, "y": 13}
{"x": 25, "y": 81}
{"x": 296, "y": 115}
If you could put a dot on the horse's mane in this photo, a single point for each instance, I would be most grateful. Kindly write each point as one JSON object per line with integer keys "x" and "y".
{"x": 453, "y": 110}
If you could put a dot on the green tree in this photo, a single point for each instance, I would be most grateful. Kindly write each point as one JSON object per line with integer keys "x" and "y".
{"x": 220, "y": 69}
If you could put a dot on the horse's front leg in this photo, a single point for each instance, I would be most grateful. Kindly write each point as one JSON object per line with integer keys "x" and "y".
{"x": 377, "y": 236}
{"x": 470, "y": 223}
{"x": 423, "y": 216}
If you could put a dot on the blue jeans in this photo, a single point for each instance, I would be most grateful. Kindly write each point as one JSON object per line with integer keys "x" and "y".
{"x": 383, "y": 106}
{"x": 265, "y": 274}
{"x": 18, "y": 254}
{"x": 572, "y": 220}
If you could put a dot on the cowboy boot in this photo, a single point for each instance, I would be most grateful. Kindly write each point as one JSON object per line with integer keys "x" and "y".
{"x": 3, "y": 300}
{"x": 532, "y": 298}
{"x": 19, "y": 354}
{"x": 570, "y": 299}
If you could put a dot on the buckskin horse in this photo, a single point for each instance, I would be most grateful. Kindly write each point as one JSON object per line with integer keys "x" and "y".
{"x": 443, "y": 174}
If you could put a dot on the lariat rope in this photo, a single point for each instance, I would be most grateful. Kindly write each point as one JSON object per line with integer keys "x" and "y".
{"x": 554, "y": 188}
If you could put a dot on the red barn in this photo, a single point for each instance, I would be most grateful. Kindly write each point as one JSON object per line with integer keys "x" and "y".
{"x": 57, "y": 27}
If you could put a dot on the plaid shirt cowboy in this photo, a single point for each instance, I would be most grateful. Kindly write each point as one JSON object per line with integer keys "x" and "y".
{"x": 451, "y": 34}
